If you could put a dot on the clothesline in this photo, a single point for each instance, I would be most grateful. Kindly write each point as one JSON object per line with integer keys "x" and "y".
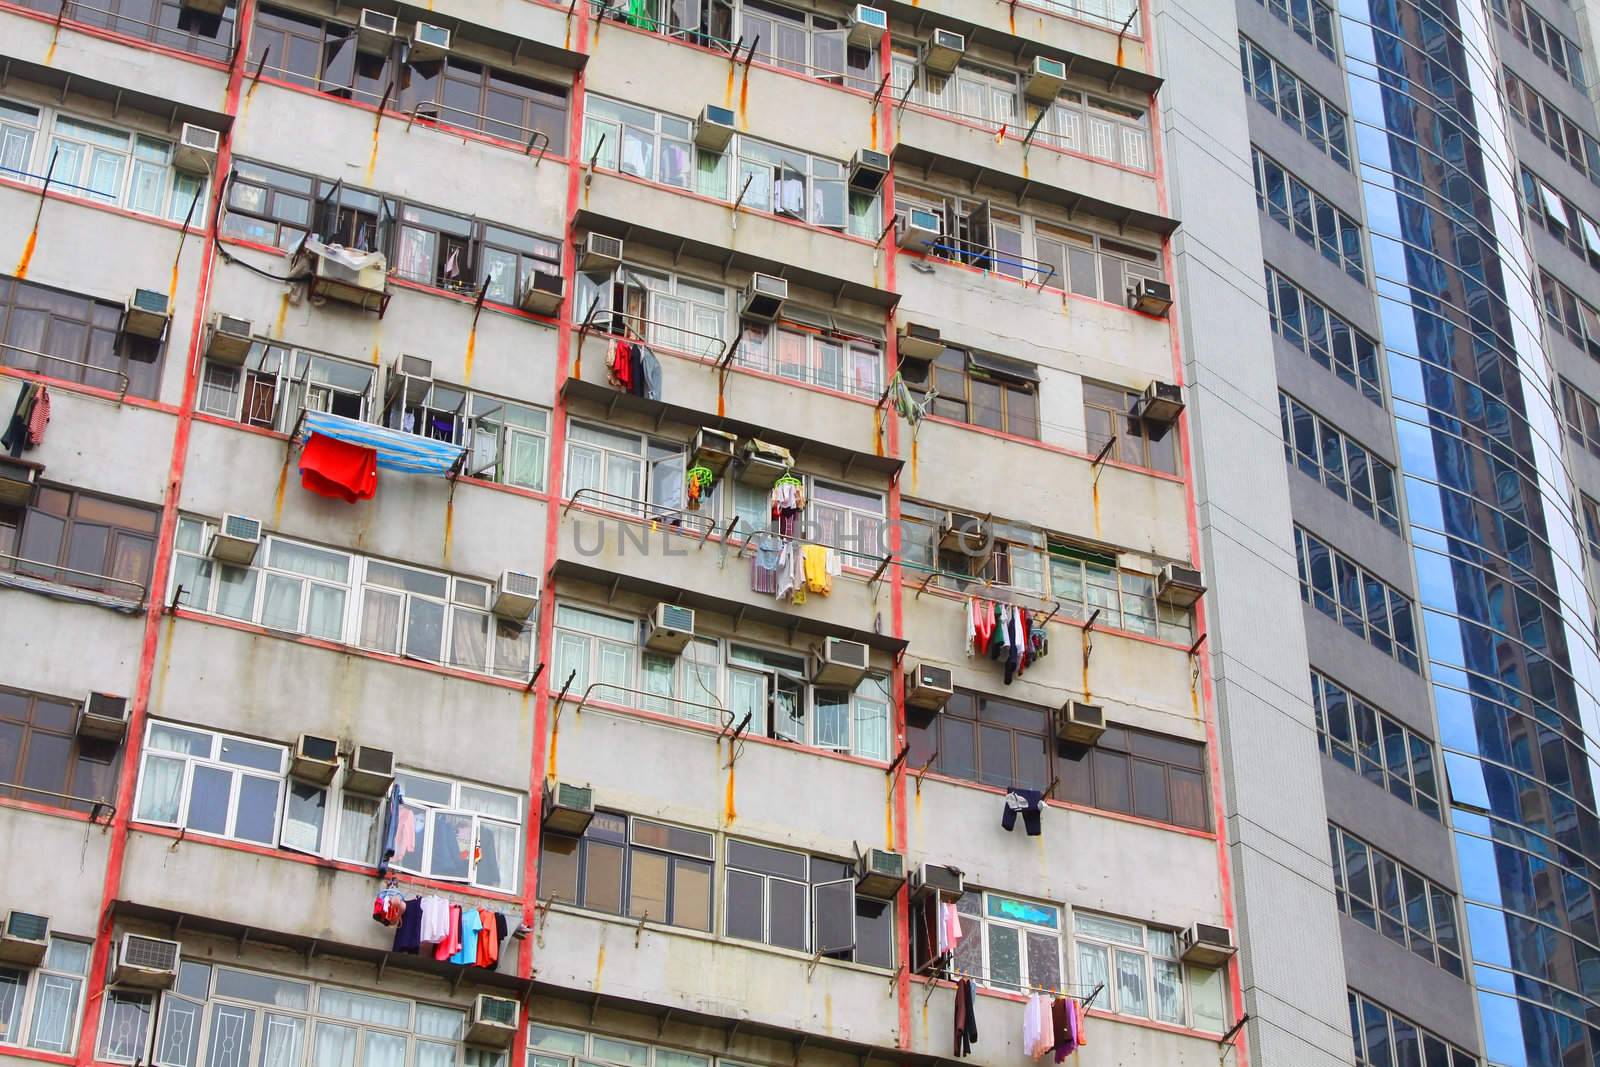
{"x": 951, "y": 974}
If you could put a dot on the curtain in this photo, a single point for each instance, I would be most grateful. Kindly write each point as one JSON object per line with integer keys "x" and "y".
{"x": 748, "y": 693}
{"x": 656, "y": 679}
{"x": 832, "y": 728}
{"x": 1093, "y": 967}
{"x": 280, "y": 603}
{"x": 281, "y": 1040}
{"x": 872, "y": 726}
{"x": 335, "y": 1046}
{"x": 362, "y": 1008}
{"x": 1133, "y": 992}
{"x": 415, "y": 254}
{"x": 380, "y": 620}
{"x": 445, "y": 1023}
{"x": 358, "y": 830}
{"x": 583, "y": 469}
{"x": 160, "y": 789}
{"x": 524, "y": 459}
{"x": 469, "y": 639}
{"x": 325, "y": 614}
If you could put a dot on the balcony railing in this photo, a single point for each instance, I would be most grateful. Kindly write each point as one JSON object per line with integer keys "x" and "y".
{"x": 122, "y": 589}
{"x": 994, "y": 260}
{"x": 122, "y": 390}
{"x": 109, "y": 19}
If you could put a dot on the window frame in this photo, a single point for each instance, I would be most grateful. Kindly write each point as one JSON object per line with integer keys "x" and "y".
{"x": 26, "y": 1005}
{"x": 1396, "y": 918}
{"x": 79, "y": 750}
{"x": 1327, "y": 440}
{"x": 437, "y": 816}
{"x": 1149, "y": 958}
{"x": 1309, "y": 215}
{"x": 1344, "y": 734}
{"x": 626, "y": 840}
{"x": 214, "y": 762}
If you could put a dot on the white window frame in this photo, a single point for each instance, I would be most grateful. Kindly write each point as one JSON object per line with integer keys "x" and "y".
{"x": 213, "y": 760}
{"x": 292, "y": 392}
{"x": 759, "y": 349}
{"x": 1155, "y": 947}
{"x": 436, "y": 816}
{"x": 174, "y": 191}
{"x": 977, "y": 926}
{"x": 27, "y": 1000}
{"x": 19, "y": 134}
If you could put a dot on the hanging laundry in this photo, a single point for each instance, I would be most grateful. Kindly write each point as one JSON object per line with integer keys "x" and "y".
{"x": 966, "y": 1019}
{"x": 1037, "y": 1027}
{"x": 1061, "y": 1018}
{"x": 648, "y": 384}
{"x": 1079, "y": 1014}
{"x": 39, "y": 418}
{"x": 391, "y": 829}
{"x": 16, "y": 436}
{"x": 697, "y": 482}
{"x": 406, "y": 937}
{"x": 488, "y": 940}
{"x": 817, "y": 568}
{"x": 451, "y": 943}
{"x": 791, "y": 574}
{"x": 471, "y": 926}
{"x": 338, "y": 469}
{"x": 621, "y": 369}
{"x": 435, "y": 920}
{"x": 788, "y": 495}
{"x": 1025, "y": 801}
{"x": 950, "y": 919}
{"x": 388, "y": 906}
{"x": 764, "y": 564}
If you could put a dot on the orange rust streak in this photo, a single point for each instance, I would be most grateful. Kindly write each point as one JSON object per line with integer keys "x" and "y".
{"x": 27, "y": 254}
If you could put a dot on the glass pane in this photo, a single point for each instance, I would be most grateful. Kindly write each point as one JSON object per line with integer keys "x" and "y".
{"x": 1132, "y": 985}
{"x": 1005, "y": 956}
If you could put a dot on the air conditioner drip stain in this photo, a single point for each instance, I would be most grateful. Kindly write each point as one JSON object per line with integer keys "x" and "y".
{"x": 449, "y": 529}
{"x": 277, "y": 499}
{"x": 283, "y": 315}
{"x": 472, "y": 348}
{"x": 27, "y": 254}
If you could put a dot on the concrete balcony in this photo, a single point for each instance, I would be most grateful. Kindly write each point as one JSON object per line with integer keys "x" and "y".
{"x": 92, "y": 443}
{"x": 79, "y": 850}
{"x": 126, "y": 68}
{"x": 1084, "y": 32}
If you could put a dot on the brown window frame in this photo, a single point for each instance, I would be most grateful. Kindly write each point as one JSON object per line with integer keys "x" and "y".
{"x": 955, "y": 381}
{"x": 79, "y": 752}
{"x": 81, "y": 329}
{"x": 627, "y": 850}
{"x": 1135, "y": 445}
{"x": 64, "y": 505}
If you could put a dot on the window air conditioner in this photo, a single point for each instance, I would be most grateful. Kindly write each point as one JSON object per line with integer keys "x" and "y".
{"x": 969, "y": 535}
{"x": 204, "y": 7}
{"x": 370, "y": 771}
{"x": 542, "y": 293}
{"x": 494, "y": 1021}
{"x": 918, "y": 342}
{"x": 919, "y": 229}
{"x": 429, "y": 41}
{"x": 1207, "y": 945}
{"x": 867, "y": 25}
{"x": 235, "y": 540}
{"x": 763, "y": 297}
{"x": 1080, "y": 723}
{"x": 929, "y": 687}
{"x": 839, "y": 663}
{"x": 516, "y": 595}
{"x": 1046, "y": 78}
{"x": 1150, "y": 296}
{"x": 316, "y": 759}
{"x": 1179, "y": 586}
{"x": 714, "y": 450}
{"x": 568, "y": 808}
{"x": 600, "y": 252}
{"x": 103, "y": 715}
{"x": 146, "y": 962}
{"x": 944, "y": 51}
{"x": 25, "y": 938}
{"x": 196, "y": 151}
{"x": 366, "y": 288}
{"x": 670, "y": 628}
{"x": 763, "y": 464}
{"x": 410, "y": 378}
{"x": 714, "y": 128}
{"x": 147, "y": 314}
{"x": 1161, "y": 403}
{"x": 376, "y": 32}
{"x": 868, "y": 168}
{"x": 882, "y": 873}
{"x": 932, "y": 878}
{"x": 228, "y": 339}
{"x": 17, "y": 479}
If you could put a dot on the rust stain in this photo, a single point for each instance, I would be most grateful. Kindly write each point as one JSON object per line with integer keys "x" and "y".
{"x": 744, "y": 98}
{"x": 1119, "y": 53}
{"x": 372, "y": 159}
{"x": 283, "y": 315}
{"x": 722, "y": 402}
{"x": 827, "y": 1012}
{"x": 888, "y": 817}
{"x": 877, "y": 430}
{"x": 1024, "y": 166}
{"x": 599, "y": 965}
{"x": 375, "y": 354}
{"x": 555, "y": 740}
{"x": 729, "y": 812}
{"x": 472, "y": 349}
{"x": 1088, "y": 695}
{"x": 872, "y": 141}
{"x": 913, "y": 463}
{"x": 727, "y": 92}
{"x": 449, "y": 527}
{"x": 1194, "y": 697}
{"x": 173, "y": 285}
{"x": 277, "y": 500}
{"x": 159, "y": 686}
{"x": 27, "y": 254}
{"x": 1095, "y": 488}
{"x": 50, "y": 53}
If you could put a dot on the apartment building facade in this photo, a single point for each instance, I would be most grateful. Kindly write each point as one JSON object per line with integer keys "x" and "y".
{"x": 439, "y": 397}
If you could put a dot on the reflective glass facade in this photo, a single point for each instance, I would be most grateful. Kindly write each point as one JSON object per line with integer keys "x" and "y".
{"x": 1508, "y": 632}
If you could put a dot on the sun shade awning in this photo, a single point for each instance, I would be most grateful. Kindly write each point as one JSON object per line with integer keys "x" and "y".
{"x": 396, "y": 449}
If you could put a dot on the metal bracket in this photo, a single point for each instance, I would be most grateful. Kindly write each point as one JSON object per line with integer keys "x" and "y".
{"x": 1100, "y": 460}
{"x": 172, "y": 604}
{"x": 588, "y": 169}
{"x": 531, "y": 681}
{"x": 638, "y": 931}
{"x": 905, "y": 750}
{"x": 924, "y": 770}
{"x": 1088, "y": 638}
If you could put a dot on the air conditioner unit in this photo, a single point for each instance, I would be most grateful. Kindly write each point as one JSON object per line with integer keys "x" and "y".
{"x": 228, "y": 339}
{"x": 429, "y": 41}
{"x": 919, "y": 229}
{"x": 1179, "y": 586}
{"x": 376, "y": 31}
{"x": 205, "y": 7}
{"x": 316, "y": 759}
{"x": 867, "y": 25}
{"x": 410, "y": 378}
{"x": 103, "y": 715}
{"x": 494, "y": 1021}
{"x": 868, "y": 168}
{"x": 370, "y": 771}
{"x": 1207, "y": 945}
{"x": 1080, "y": 723}
{"x": 235, "y": 540}
{"x": 763, "y": 297}
{"x": 366, "y": 288}
{"x": 714, "y": 450}
{"x": 1150, "y": 296}
{"x": 918, "y": 342}
{"x": 196, "y": 151}
{"x": 516, "y": 595}
{"x": 970, "y": 535}
{"x": 929, "y": 687}
{"x": 882, "y": 873}
{"x": 839, "y": 663}
{"x": 670, "y": 628}
{"x": 146, "y": 962}
{"x": 944, "y": 51}
{"x": 568, "y": 808}
{"x": 714, "y": 128}
{"x": 17, "y": 479}
{"x": 1046, "y": 78}
{"x": 932, "y": 878}
{"x": 25, "y": 938}
{"x": 147, "y": 314}
{"x": 542, "y": 293}
{"x": 600, "y": 252}
{"x": 763, "y": 464}
{"x": 1161, "y": 403}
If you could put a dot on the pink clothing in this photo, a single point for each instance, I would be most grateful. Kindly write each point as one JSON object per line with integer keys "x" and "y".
{"x": 39, "y": 416}
{"x": 405, "y": 832}
{"x": 952, "y": 924}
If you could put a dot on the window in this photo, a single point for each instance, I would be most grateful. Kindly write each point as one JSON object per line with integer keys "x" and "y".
{"x": 1383, "y": 1038}
{"x": 1384, "y": 752}
{"x": 81, "y": 333}
{"x": 268, "y": 205}
{"x": 1350, "y": 471}
{"x": 831, "y": 359}
{"x": 1364, "y": 604}
{"x": 1333, "y": 343}
{"x": 1086, "y": 582}
{"x": 167, "y": 23}
{"x": 1552, "y": 126}
{"x": 19, "y": 131}
{"x": 1302, "y": 109}
{"x": 1108, "y": 413}
{"x": 1561, "y": 218}
{"x": 1008, "y": 943}
{"x": 806, "y": 903}
{"x": 337, "y": 596}
{"x": 625, "y": 865}
{"x": 979, "y": 389}
{"x": 125, "y": 1025}
{"x": 1558, "y": 51}
{"x": 552, "y": 1047}
{"x": 1142, "y": 975}
{"x": 1312, "y": 20}
{"x": 42, "y": 759}
{"x": 1591, "y": 524}
{"x": 506, "y": 442}
{"x": 462, "y": 93}
{"x": 811, "y": 44}
{"x": 1293, "y": 205}
{"x": 1581, "y": 414}
{"x": 1571, "y": 315}
{"x": 211, "y": 783}
{"x": 70, "y": 537}
{"x": 1149, "y": 775}
{"x": 670, "y": 310}
{"x": 618, "y": 470}
{"x": 984, "y": 739}
{"x": 276, "y": 383}
{"x": 39, "y": 1008}
{"x": 464, "y": 833}
{"x": 846, "y": 518}
{"x": 1390, "y": 897}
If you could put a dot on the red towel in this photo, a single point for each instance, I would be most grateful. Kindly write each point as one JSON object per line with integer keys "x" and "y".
{"x": 338, "y": 469}
{"x": 39, "y": 417}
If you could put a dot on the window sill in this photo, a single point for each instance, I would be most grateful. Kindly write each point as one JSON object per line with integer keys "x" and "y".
{"x": 19, "y": 1052}
{"x": 397, "y": 282}
{"x": 1058, "y": 449}
{"x": 420, "y": 882}
{"x": 66, "y": 385}
{"x": 110, "y": 209}
{"x": 69, "y": 593}
{"x": 1065, "y": 805}
{"x": 1064, "y": 16}
{"x": 131, "y": 41}
{"x": 47, "y": 809}
{"x": 1095, "y": 301}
